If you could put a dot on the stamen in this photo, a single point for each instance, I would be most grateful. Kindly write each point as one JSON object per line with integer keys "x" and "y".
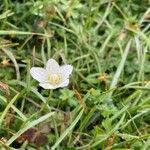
{"x": 54, "y": 79}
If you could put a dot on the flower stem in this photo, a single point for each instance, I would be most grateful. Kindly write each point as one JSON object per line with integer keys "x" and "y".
{"x": 50, "y": 95}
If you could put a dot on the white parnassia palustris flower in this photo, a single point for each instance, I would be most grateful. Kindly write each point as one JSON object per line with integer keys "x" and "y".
{"x": 52, "y": 76}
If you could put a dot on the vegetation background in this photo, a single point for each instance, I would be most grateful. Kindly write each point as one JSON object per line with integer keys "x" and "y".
{"x": 107, "y": 104}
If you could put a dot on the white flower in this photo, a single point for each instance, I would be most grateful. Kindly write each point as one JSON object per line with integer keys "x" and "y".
{"x": 53, "y": 76}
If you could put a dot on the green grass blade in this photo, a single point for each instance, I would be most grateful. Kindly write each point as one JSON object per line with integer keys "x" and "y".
{"x": 67, "y": 131}
{"x": 11, "y": 56}
{"x": 7, "y": 108}
{"x": 119, "y": 70}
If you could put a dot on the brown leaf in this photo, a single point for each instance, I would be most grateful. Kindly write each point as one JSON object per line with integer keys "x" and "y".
{"x": 40, "y": 140}
{"x": 27, "y": 136}
{"x": 81, "y": 101}
{"x": 45, "y": 128}
{"x": 4, "y": 87}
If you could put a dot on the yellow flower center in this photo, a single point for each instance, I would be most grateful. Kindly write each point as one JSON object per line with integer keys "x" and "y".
{"x": 54, "y": 79}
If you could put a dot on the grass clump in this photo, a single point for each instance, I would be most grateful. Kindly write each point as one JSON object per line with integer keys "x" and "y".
{"x": 107, "y": 103}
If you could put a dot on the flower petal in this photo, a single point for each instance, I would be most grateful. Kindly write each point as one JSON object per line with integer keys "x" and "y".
{"x": 39, "y": 74}
{"x": 52, "y": 66}
{"x": 47, "y": 86}
{"x": 64, "y": 83}
{"x": 50, "y": 86}
{"x": 66, "y": 70}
